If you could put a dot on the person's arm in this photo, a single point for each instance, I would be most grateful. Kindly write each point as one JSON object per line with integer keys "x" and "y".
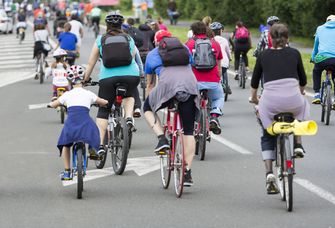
{"x": 150, "y": 83}
{"x": 101, "y": 101}
{"x": 91, "y": 62}
{"x": 301, "y": 74}
{"x": 138, "y": 60}
{"x": 259, "y": 46}
{"x": 55, "y": 104}
{"x": 81, "y": 32}
{"x": 257, "y": 74}
{"x": 315, "y": 47}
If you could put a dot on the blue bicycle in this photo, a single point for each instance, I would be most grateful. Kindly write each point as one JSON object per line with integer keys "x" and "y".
{"x": 79, "y": 165}
{"x": 326, "y": 96}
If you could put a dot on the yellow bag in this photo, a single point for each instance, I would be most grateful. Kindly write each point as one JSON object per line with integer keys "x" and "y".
{"x": 297, "y": 128}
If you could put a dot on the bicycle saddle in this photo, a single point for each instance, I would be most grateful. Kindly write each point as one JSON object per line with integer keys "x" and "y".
{"x": 121, "y": 89}
{"x": 284, "y": 117}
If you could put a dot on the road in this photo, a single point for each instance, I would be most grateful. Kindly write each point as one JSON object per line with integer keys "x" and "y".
{"x": 229, "y": 186}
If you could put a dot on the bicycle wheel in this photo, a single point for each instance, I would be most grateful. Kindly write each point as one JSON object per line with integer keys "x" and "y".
{"x": 101, "y": 163}
{"x": 279, "y": 167}
{"x": 243, "y": 75}
{"x": 96, "y": 30}
{"x": 120, "y": 147}
{"x": 179, "y": 164}
{"x": 80, "y": 172}
{"x": 288, "y": 176}
{"x": 41, "y": 68}
{"x": 62, "y": 114}
{"x": 323, "y": 98}
{"x": 328, "y": 104}
{"x": 202, "y": 137}
{"x": 130, "y": 136}
{"x": 165, "y": 163}
{"x": 226, "y": 87}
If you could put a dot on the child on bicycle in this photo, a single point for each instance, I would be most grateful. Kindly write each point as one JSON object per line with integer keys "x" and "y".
{"x": 78, "y": 126}
{"x": 58, "y": 72}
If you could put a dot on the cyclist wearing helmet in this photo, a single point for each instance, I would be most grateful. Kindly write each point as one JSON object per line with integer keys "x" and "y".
{"x": 323, "y": 54}
{"x": 266, "y": 42}
{"x": 58, "y": 72}
{"x": 76, "y": 26}
{"x": 78, "y": 125}
{"x": 218, "y": 28}
{"x": 120, "y": 70}
{"x": 41, "y": 20}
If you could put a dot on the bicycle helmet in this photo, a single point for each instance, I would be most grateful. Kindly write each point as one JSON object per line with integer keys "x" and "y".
{"x": 216, "y": 26}
{"x": 272, "y": 19}
{"x": 331, "y": 18}
{"x": 114, "y": 18}
{"x": 59, "y": 53}
{"x": 75, "y": 74}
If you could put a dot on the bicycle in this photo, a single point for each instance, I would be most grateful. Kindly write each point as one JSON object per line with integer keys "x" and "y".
{"x": 225, "y": 86}
{"x": 62, "y": 109}
{"x": 326, "y": 96}
{"x": 118, "y": 137}
{"x": 242, "y": 75}
{"x": 143, "y": 84}
{"x": 173, "y": 159}
{"x": 40, "y": 67}
{"x": 96, "y": 29}
{"x": 21, "y": 34}
{"x": 202, "y": 126}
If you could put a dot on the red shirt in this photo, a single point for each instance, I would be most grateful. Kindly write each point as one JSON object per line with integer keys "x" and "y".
{"x": 212, "y": 75}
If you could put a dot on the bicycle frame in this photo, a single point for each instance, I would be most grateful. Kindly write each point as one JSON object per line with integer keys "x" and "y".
{"x": 325, "y": 83}
{"x": 75, "y": 147}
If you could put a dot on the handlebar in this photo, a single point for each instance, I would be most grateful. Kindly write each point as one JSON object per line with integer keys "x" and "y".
{"x": 91, "y": 83}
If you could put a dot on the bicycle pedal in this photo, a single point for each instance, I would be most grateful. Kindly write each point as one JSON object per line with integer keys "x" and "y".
{"x": 161, "y": 153}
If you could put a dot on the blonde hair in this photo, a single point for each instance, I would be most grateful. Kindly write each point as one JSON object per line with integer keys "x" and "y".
{"x": 207, "y": 20}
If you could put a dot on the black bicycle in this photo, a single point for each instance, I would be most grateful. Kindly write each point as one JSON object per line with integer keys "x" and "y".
{"x": 326, "y": 96}
{"x": 40, "y": 66}
{"x": 119, "y": 135}
{"x": 242, "y": 74}
{"x": 225, "y": 86}
{"x": 95, "y": 29}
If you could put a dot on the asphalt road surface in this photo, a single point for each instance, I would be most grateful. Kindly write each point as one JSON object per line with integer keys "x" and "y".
{"x": 229, "y": 186}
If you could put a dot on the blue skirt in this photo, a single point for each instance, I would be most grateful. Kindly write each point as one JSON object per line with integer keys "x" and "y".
{"x": 79, "y": 126}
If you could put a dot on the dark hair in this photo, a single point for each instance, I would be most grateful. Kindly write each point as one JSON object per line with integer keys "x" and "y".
{"x": 114, "y": 31}
{"x": 279, "y": 35}
{"x": 239, "y": 24}
{"x": 217, "y": 32}
{"x": 198, "y": 28}
{"x": 130, "y": 21}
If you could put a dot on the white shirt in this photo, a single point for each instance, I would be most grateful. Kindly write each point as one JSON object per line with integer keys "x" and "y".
{"x": 59, "y": 76}
{"x": 78, "y": 97}
{"x": 75, "y": 29}
{"x": 41, "y": 35}
{"x": 224, "y": 49}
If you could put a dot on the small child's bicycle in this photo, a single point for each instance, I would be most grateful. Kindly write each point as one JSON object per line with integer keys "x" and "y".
{"x": 62, "y": 109}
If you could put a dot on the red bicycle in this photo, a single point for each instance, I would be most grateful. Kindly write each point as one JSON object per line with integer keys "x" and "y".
{"x": 202, "y": 126}
{"x": 173, "y": 159}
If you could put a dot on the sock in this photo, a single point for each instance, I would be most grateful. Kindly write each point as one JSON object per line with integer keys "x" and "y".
{"x": 215, "y": 115}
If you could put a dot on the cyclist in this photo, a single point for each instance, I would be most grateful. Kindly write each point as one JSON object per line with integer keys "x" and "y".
{"x": 96, "y": 15}
{"x": 114, "y": 69}
{"x": 174, "y": 82}
{"x": 218, "y": 28}
{"x": 76, "y": 27}
{"x": 242, "y": 44}
{"x": 40, "y": 19}
{"x": 59, "y": 22}
{"x": 68, "y": 42}
{"x": 265, "y": 41}
{"x": 323, "y": 54}
{"x": 21, "y": 21}
{"x": 58, "y": 72}
{"x": 209, "y": 79}
{"x": 284, "y": 80}
{"x": 78, "y": 125}
{"x": 207, "y": 20}
{"x": 41, "y": 37}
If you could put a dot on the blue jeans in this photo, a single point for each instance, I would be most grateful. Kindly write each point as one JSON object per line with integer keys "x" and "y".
{"x": 215, "y": 95}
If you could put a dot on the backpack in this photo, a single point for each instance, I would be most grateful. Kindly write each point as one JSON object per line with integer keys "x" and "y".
{"x": 115, "y": 51}
{"x": 137, "y": 35}
{"x": 269, "y": 40}
{"x": 173, "y": 52}
{"x": 242, "y": 35}
{"x": 203, "y": 55}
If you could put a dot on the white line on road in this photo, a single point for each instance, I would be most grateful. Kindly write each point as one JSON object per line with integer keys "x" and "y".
{"x": 230, "y": 144}
{"x": 316, "y": 190}
{"x": 13, "y": 80}
{"x": 38, "y": 106}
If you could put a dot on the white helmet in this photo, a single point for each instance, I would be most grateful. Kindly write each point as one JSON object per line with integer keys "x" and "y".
{"x": 75, "y": 74}
{"x": 59, "y": 53}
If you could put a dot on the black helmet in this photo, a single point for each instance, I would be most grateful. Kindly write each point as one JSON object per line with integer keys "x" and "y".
{"x": 272, "y": 19}
{"x": 114, "y": 18}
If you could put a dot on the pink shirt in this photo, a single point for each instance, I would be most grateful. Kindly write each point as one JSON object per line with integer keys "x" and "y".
{"x": 206, "y": 76}
{"x": 162, "y": 27}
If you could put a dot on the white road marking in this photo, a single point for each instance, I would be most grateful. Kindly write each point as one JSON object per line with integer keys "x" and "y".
{"x": 8, "y": 81}
{"x": 231, "y": 145}
{"x": 316, "y": 190}
{"x": 141, "y": 166}
{"x": 37, "y": 106}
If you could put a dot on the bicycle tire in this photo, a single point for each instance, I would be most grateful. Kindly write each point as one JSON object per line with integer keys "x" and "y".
{"x": 279, "y": 166}
{"x": 203, "y": 135}
{"x": 243, "y": 75}
{"x": 165, "y": 163}
{"x": 288, "y": 177}
{"x": 62, "y": 114}
{"x": 41, "y": 71}
{"x": 80, "y": 173}
{"x": 323, "y": 98}
{"x": 328, "y": 104}
{"x": 120, "y": 147}
{"x": 130, "y": 136}
{"x": 101, "y": 163}
{"x": 96, "y": 30}
{"x": 143, "y": 93}
{"x": 179, "y": 164}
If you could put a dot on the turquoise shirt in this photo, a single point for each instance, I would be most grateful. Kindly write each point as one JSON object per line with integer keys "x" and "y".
{"x": 130, "y": 70}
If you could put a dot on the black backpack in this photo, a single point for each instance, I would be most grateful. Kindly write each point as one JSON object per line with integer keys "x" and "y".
{"x": 173, "y": 52}
{"x": 115, "y": 50}
{"x": 203, "y": 55}
{"x": 137, "y": 35}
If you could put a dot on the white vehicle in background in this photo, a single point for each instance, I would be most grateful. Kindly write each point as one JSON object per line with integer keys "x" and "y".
{"x": 6, "y": 23}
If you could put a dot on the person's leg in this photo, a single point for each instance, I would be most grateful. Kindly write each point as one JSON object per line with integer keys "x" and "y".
{"x": 237, "y": 53}
{"x": 317, "y": 72}
{"x": 128, "y": 104}
{"x": 216, "y": 96}
{"x": 138, "y": 103}
{"x": 245, "y": 57}
{"x": 66, "y": 157}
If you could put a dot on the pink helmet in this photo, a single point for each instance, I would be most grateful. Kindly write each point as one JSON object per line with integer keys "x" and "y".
{"x": 75, "y": 74}
{"x": 59, "y": 53}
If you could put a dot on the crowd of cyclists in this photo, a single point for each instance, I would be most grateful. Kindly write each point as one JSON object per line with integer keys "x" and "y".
{"x": 175, "y": 71}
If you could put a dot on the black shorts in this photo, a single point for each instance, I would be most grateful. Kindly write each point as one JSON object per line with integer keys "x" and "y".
{"x": 107, "y": 91}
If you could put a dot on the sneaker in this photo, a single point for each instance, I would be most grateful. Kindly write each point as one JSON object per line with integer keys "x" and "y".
{"x": 271, "y": 186}
{"x": 162, "y": 146}
{"x": 188, "y": 182}
{"x": 298, "y": 151}
{"x": 93, "y": 154}
{"x": 137, "y": 113}
{"x": 236, "y": 75}
{"x": 214, "y": 125}
{"x": 130, "y": 123}
{"x": 316, "y": 99}
{"x": 66, "y": 175}
{"x": 229, "y": 90}
{"x": 101, "y": 151}
{"x": 36, "y": 76}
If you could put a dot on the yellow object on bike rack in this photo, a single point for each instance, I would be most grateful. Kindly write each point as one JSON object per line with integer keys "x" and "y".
{"x": 296, "y": 127}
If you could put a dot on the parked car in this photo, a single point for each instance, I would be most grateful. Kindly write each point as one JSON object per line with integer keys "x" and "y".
{"x": 6, "y": 22}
